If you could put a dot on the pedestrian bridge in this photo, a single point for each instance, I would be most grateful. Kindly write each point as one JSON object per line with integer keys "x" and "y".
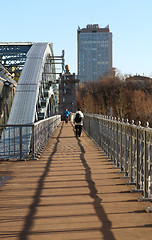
{"x": 74, "y": 191}
{"x": 98, "y": 186}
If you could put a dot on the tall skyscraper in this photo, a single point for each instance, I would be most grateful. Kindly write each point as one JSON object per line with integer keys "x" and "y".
{"x": 94, "y": 52}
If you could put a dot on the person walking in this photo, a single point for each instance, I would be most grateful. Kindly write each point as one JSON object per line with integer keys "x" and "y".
{"x": 66, "y": 115}
{"x": 78, "y": 121}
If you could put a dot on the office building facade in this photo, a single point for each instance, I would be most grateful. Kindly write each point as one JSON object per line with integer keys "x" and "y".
{"x": 94, "y": 52}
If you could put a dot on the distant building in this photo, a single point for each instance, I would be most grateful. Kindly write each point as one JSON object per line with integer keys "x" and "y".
{"x": 13, "y": 56}
{"x": 141, "y": 80}
{"x": 67, "y": 92}
{"x": 94, "y": 52}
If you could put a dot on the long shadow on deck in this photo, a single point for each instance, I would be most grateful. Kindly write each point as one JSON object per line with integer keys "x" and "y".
{"x": 106, "y": 223}
{"x": 29, "y": 218}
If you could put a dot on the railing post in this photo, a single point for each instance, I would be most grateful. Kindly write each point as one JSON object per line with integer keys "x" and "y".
{"x": 121, "y": 147}
{"x": 126, "y": 149}
{"x": 102, "y": 133}
{"x": 138, "y": 159}
{"x": 131, "y": 158}
{"x": 111, "y": 144}
{"x": 21, "y": 154}
{"x": 89, "y": 125}
{"x": 33, "y": 143}
{"x": 117, "y": 160}
{"x": 108, "y": 137}
{"x": 114, "y": 141}
{"x": 145, "y": 163}
{"x": 118, "y": 142}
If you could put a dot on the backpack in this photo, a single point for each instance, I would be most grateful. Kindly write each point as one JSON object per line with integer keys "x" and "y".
{"x": 78, "y": 118}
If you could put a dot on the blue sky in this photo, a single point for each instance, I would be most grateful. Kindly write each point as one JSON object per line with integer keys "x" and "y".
{"x": 57, "y": 21}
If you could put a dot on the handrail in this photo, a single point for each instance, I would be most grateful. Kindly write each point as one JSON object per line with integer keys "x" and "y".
{"x": 129, "y": 146}
{"x": 18, "y": 141}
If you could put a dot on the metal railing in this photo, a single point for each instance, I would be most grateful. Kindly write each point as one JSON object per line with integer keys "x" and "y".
{"x": 20, "y": 141}
{"x": 129, "y": 146}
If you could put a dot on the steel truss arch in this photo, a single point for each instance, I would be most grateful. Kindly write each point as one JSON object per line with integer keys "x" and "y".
{"x": 34, "y": 100}
{"x": 34, "y": 95}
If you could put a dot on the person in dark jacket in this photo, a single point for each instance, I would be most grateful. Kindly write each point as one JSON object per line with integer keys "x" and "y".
{"x": 78, "y": 121}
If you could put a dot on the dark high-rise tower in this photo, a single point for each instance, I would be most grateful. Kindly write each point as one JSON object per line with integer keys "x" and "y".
{"x": 94, "y": 52}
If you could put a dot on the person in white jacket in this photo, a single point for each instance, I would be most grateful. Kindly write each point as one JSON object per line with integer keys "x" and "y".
{"x": 78, "y": 121}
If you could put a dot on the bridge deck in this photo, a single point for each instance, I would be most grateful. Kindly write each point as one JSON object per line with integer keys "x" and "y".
{"x": 72, "y": 192}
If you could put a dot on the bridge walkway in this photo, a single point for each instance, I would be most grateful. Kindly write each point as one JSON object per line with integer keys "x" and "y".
{"x": 72, "y": 192}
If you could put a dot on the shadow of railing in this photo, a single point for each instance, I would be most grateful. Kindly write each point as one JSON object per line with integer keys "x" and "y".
{"x": 33, "y": 207}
